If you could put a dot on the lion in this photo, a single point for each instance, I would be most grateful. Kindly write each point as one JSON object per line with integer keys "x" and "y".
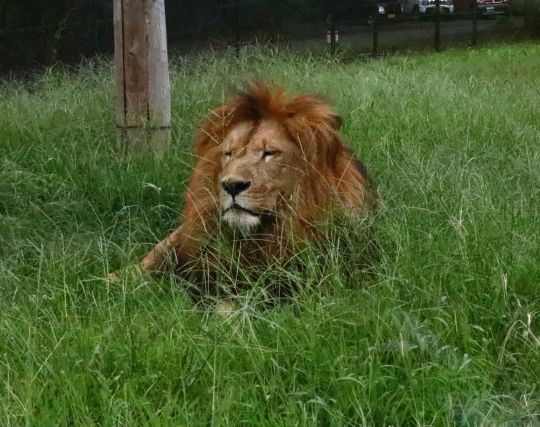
{"x": 269, "y": 167}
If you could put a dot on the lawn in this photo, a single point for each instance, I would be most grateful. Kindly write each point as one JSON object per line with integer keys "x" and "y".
{"x": 445, "y": 329}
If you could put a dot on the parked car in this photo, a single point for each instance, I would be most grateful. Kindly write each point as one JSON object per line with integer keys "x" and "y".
{"x": 426, "y": 7}
{"x": 390, "y": 9}
{"x": 493, "y": 7}
{"x": 367, "y": 11}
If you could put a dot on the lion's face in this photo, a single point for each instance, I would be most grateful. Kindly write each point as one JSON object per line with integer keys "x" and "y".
{"x": 271, "y": 164}
{"x": 261, "y": 168}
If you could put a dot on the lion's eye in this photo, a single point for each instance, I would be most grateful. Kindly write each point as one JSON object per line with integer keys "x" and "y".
{"x": 269, "y": 153}
{"x": 227, "y": 153}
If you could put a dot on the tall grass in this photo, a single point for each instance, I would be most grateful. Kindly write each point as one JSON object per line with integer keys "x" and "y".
{"x": 444, "y": 330}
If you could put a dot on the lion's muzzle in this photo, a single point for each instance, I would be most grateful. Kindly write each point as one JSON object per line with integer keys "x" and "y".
{"x": 238, "y": 217}
{"x": 234, "y": 187}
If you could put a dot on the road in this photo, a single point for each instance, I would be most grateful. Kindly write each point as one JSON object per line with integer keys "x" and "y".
{"x": 401, "y": 34}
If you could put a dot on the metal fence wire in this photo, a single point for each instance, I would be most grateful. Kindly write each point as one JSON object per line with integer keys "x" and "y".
{"x": 49, "y": 31}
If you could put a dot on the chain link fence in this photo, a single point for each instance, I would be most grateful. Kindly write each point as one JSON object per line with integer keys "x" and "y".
{"x": 33, "y": 34}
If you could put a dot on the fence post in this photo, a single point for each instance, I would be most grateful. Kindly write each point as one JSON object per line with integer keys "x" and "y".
{"x": 143, "y": 104}
{"x": 332, "y": 23}
{"x": 236, "y": 25}
{"x": 375, "y": 49}
{"x": 438, "y": 25}
{"x": 474, "y": 23}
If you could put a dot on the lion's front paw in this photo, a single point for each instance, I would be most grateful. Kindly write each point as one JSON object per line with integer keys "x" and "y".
{"x": 112, "y": 278}
{"x": 225, "y": 308}
{"x": 133, "y": 272}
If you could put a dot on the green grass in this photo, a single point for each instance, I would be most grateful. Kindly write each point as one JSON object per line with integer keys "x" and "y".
{"x": 445, "y": 331}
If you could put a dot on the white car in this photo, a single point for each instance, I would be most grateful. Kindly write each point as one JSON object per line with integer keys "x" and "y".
{"x": 426, "y": 7}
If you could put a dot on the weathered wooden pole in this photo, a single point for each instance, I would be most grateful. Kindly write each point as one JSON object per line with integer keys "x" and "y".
{"x": 143, "y": 100}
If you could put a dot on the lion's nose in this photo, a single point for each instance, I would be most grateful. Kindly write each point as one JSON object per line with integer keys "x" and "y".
{"x": 234, "y": 187}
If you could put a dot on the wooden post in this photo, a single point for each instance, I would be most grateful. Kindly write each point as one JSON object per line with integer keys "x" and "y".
{"x": 143, "y": 102}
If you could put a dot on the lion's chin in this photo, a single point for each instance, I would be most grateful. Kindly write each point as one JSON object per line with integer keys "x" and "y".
{"x": 245, "y": 222}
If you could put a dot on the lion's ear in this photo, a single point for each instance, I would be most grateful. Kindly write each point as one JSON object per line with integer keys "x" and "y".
{"x": 330, "y": 148}
{"x": 337, "y": 121}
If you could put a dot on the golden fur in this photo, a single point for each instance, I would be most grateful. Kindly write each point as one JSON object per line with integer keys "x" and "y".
{"x": 289, "y": 162}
